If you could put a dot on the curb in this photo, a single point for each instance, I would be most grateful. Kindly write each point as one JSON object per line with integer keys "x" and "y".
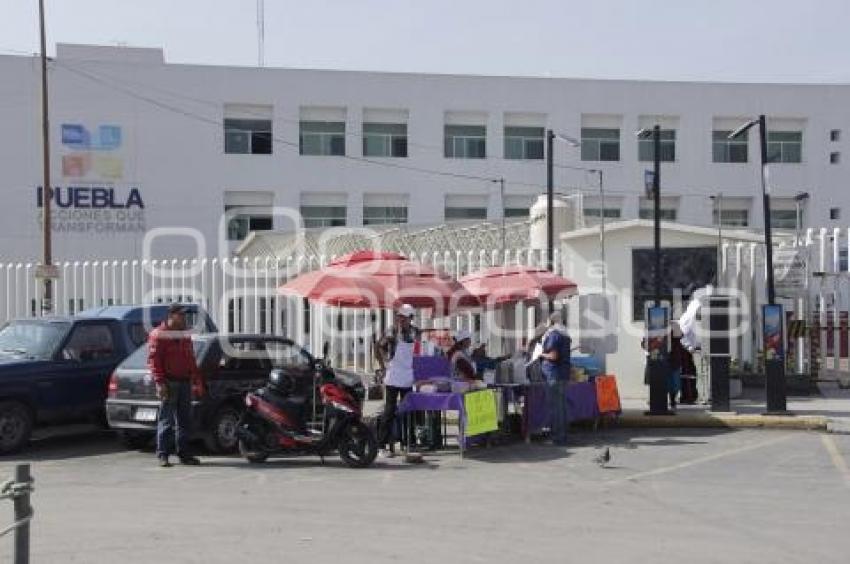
{"x": 635, "y": 419}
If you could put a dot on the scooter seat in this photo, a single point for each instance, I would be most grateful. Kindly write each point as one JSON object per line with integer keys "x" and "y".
{"x": 286, "y": 402}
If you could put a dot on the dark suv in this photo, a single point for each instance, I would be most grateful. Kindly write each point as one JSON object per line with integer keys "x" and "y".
{"x": 231, "y": 365}
{"x": 55, "y": 369}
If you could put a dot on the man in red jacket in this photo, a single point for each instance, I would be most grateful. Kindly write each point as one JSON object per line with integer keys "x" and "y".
{"x": 171, "y": 360}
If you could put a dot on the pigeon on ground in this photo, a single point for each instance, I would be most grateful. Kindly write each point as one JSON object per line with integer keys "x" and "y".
{"x": 603, "y": 458}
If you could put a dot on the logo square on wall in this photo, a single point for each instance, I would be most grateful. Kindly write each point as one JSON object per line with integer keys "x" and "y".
{"x": 75, "y": 135}
{"x": 76, "y": 165}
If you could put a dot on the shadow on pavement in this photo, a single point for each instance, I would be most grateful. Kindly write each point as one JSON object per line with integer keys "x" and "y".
{"x": 67, "y": 444}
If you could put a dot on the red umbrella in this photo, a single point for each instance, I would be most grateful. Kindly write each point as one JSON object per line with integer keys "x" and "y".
{"x": 339, "y": 288}
{"x": 414, "y": 283}
{"x": 365, "y": 256}
{"x": 501, "y": 285}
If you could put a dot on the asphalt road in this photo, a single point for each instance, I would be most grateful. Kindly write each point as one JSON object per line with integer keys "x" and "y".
{"x": 690, "y": 496}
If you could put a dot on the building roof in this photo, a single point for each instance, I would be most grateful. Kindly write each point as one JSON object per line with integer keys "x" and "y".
{"x": 727, "y": 233}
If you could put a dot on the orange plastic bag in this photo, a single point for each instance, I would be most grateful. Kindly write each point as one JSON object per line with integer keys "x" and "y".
{"x": 607, "y": 396}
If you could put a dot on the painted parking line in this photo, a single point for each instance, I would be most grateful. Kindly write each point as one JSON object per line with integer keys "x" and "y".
{"x": 837, "y": 460}
{"x": 700, "y": 460}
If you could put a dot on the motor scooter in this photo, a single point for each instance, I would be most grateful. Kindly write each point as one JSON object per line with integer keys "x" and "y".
{"x": 275, "y": 421}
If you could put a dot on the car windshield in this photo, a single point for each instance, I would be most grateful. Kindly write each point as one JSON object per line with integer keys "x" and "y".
{"x": 139, "y": 359}
{"x": 36, "y": 340}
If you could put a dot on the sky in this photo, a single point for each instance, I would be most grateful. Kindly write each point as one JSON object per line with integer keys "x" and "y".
{"x": 713, "y": 40}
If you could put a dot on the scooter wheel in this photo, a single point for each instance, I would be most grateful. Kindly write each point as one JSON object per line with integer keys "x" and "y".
{"x": 357, "y": 445}
{"x": 250, "y": 454}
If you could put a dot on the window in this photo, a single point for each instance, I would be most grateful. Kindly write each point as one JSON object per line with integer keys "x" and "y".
{"x": 323, "y": 138}
{"x": 323, "y": 216}
{"x": 89, "y": 343}
{"x": 248, "y": 136}
{"x": 457, "y": 213}
{"x": 523, "y": 143}
{"x": 517, "y": 212}
{"x": 784, "y": 146}
{"x": 783, "y": 219}
{"x": 384, "y": 139}
{"x": 465, "y": 141}
{"x": 732, "y": 217}
{"x": 598, "y": 144}
{"x": 725, "y": 150}
{"x": 834, "y": 213}
{"x": 592, "y": 216}
{"x": 665, "y": 214}
{"x": 834, "y": 157}
{"x": 646, "y": 147}
{"x": 835, "y": 135}
{"x": 243, "y": 223}
{"x": 683, "y": 270}
{"x": 383, "y": 215}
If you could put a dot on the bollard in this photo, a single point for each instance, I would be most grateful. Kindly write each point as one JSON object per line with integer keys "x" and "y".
{"x": 23, "y": 510}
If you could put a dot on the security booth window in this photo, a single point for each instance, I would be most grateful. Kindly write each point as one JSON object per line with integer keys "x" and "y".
{"x": 322, "y": 138}
{"x": 725, "y": 150}
{"x": 384, "y": 139}
{"x": 646, "y": 147}
{"x": 524, "y": 143}
{"x": 465, "y": 141}
{"x": 247, "y": 136}
{"x": 683, "y": 271}
{"x": 600, "y": 144}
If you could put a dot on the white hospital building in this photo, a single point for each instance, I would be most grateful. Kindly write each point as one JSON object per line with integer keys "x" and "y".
{"x": 138, "y": 143}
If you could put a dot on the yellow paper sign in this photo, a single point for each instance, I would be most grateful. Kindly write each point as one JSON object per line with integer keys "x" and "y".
{"x": 480, "y": 412}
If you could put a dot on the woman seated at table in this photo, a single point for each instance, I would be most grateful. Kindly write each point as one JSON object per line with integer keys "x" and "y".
{"x": 462, "y": 365}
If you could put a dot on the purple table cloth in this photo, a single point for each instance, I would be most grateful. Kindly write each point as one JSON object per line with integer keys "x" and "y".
{"x": 437, "y": 401}
{"x": 581, "y": 405}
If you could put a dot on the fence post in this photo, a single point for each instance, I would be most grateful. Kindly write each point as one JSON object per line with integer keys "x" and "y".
{"x": 23, "y": 510}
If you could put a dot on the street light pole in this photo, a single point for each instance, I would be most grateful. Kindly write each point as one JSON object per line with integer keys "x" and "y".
{"x": 656, "y": 194}
{"x": 46, "y": 192}
{"x": 550, "y": 201}
{"x": 765, "y": 189}
{"x": 602, "y": 232}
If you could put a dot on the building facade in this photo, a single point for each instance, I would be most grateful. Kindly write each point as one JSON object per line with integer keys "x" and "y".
{"x": 140, "y": 147}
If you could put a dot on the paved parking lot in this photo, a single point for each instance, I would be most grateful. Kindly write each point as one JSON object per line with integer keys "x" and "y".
{"x": 670, "y": 496}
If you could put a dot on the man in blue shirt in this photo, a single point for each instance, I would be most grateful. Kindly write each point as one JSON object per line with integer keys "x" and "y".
{"x": 556, "y": 371}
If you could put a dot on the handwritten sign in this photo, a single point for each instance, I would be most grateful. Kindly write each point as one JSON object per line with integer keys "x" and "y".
{"x": 480, "y": 412}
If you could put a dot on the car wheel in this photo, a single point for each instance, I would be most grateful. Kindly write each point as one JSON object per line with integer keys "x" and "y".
{"x": 222, "y": 437}
{"x": 134, "y": 440}
{"x": 15, "y": 426}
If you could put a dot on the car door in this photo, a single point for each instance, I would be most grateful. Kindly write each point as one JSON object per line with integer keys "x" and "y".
{"x": 87, "y": 357}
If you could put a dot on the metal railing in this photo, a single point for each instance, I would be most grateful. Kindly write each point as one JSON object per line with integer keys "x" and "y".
{"x": 18, "y": 489}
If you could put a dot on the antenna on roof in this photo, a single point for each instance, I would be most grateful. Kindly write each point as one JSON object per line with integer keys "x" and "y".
{"x": 261, "y": 33}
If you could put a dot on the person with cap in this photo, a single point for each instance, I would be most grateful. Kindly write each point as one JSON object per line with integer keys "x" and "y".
{"x": 171, "y": 360}
{"x": 556, "y": 371}
{"x": 395, "y": 357}
{"x": 463, "y": 367}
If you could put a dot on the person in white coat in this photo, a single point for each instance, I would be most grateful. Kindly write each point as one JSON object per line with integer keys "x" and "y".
{"x": 395, "y": 357}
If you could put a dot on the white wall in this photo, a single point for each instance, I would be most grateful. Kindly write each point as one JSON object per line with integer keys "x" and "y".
{"x": 171, "y": 117}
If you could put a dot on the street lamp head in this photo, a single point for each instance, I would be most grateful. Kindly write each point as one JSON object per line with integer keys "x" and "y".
{"x": 742, "y": 129}
{"x": 801, "y": 197}
{"x": 643, "y": 133}
{"x": 571, "y": 141}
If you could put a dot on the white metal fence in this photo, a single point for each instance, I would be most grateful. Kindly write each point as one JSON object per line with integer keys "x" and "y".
{"x": 240, "y": 294}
